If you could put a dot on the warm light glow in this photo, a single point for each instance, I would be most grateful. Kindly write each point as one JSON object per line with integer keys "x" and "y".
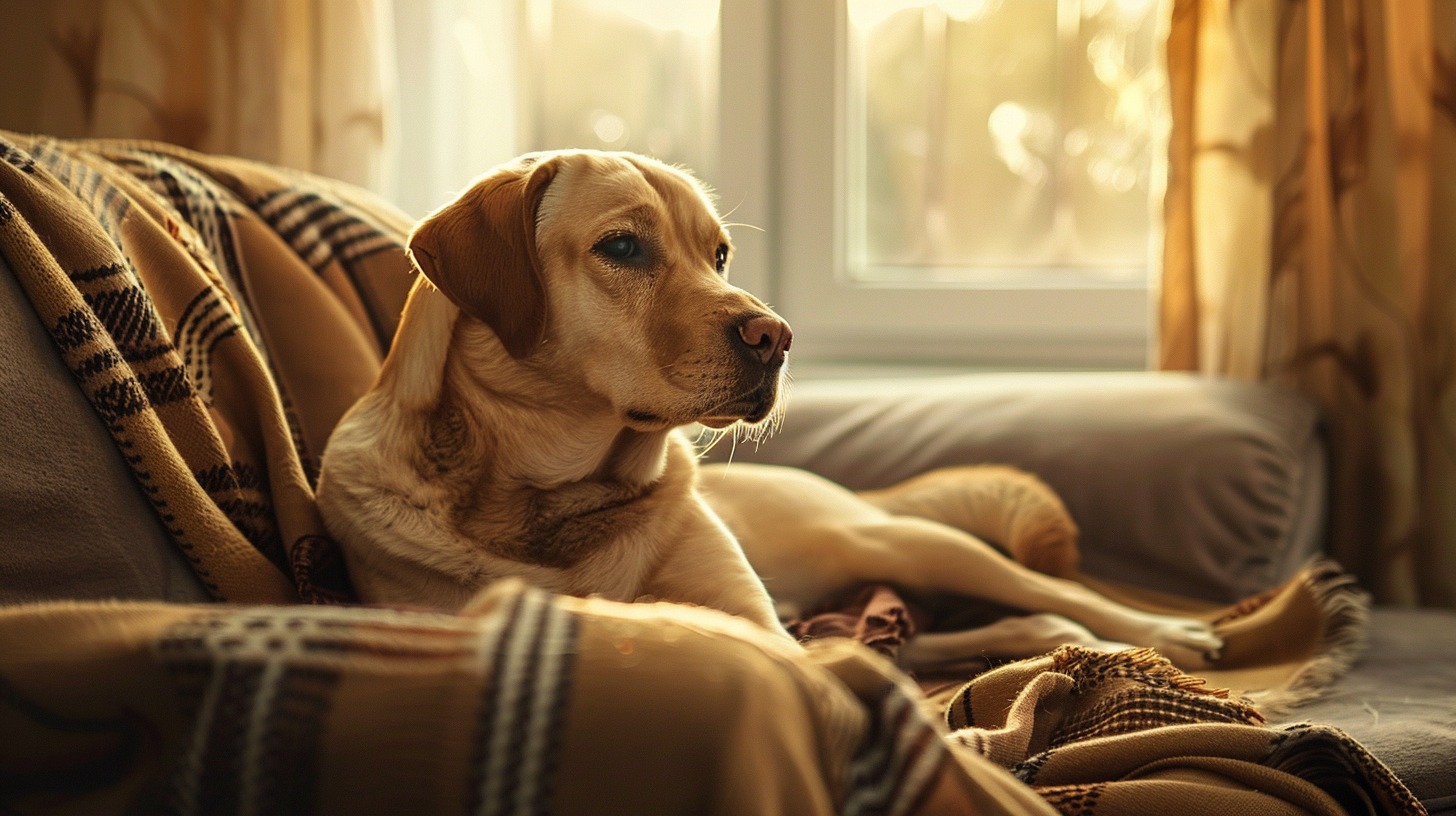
{"x": 1076, "y": 142}
{"x": 997, "y": 133}
{"x": 469, "y": 39}
{"x": 1012, "y": 127}
{"x": 1008, "y": 121}
{"x": 965, "y": 10}
{"x": 696, "y": 18}
{"x": 610, "y": 128}
{"x": 1134, "y": 9}
{"x": 1104, "y": 52}
{"x": 866, "y": 14}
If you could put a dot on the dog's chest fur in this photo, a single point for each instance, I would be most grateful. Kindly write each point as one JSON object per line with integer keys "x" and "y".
{"x": 559, "y": 527}
{"x": 602, "y": 535}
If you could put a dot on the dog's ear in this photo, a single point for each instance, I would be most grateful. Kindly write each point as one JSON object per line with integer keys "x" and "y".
{"x": 480, "y": 250}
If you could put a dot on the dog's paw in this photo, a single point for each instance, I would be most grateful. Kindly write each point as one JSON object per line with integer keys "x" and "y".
{"x": 1189, "y": 643}
{"x": 1044, "y": 631}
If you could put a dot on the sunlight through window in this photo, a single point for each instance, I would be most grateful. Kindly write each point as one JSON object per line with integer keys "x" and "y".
{"x": 999, "y": 138}
{"x": 636, "y": 75}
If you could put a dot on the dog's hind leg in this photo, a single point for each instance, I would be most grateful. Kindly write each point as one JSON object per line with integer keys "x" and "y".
{"x": 1009, "y": 508}
{"x": 925, "y": 555}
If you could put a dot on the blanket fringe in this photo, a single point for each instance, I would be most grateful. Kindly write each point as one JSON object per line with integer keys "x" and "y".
{"x": 1346, "y": 609}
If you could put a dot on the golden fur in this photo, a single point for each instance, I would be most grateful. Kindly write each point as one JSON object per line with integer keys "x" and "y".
{"x": 573, "y": 311}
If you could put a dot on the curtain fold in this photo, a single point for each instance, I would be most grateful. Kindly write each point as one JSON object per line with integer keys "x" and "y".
{"x": 1311, "y": 241}
{"x": 308, "y": 84}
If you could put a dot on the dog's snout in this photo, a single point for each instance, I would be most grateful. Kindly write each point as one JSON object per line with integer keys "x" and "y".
{"x": 766, "y": 337}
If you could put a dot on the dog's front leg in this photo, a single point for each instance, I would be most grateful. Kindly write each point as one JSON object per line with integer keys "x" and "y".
{"x": 704, "y": 566}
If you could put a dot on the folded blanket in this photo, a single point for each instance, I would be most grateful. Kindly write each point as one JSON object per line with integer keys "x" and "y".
{"x": 1126, "y": 732}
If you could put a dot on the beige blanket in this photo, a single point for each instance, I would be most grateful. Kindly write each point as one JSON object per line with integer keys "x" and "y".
{"x": 220, "y": 316}
{"x": 1125, "y": 732}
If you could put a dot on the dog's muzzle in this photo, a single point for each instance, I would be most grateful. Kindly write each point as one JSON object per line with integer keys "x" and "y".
{"x": 762, "y": 342}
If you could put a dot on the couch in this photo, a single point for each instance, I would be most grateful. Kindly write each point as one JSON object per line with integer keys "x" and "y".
{"x": 1192, "y": 486}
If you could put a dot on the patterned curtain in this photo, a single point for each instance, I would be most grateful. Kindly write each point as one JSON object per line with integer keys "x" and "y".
{"x": 1311, "y": 240}
{"x": 307, "y": 84}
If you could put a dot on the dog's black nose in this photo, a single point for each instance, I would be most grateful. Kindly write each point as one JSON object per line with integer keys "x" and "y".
{"x": 766, "y": 337}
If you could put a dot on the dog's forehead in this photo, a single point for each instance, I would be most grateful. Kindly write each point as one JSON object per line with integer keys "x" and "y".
{"x": 592, "y": 187}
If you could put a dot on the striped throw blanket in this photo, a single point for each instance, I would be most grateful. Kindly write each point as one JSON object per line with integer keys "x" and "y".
{"x": 220, "y": 316}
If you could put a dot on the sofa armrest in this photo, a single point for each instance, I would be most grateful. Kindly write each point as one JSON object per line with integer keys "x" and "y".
{"x": 1207, "y": 488}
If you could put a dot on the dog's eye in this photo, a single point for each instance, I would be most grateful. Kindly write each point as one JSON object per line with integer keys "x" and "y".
{"x": 620, "y": 248}
{"x": 721, "y": 259}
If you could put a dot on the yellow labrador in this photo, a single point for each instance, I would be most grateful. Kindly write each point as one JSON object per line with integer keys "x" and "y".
{"x": 574, "y": 310}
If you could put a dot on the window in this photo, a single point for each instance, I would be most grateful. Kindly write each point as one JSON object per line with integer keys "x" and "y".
{"x": 997, "y": 142}
{"x": 970, "y": 182}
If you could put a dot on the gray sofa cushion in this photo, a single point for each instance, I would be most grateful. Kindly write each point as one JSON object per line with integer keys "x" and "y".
{"x": 1206, "y": 488}
{"x": 73, "y": 523}
{"x": 1400, "y": 701}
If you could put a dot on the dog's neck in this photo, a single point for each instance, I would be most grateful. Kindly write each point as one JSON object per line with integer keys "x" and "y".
{"x": 544, "y": 434}
{"x": 545, "y": 449}
{"x": 476, "y": 404}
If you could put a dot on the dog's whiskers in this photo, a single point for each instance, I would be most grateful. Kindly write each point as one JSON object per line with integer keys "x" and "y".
{"x": 732, "y": 210}
{"x": 745, "y": 226}
{"x": 708, "y": 439}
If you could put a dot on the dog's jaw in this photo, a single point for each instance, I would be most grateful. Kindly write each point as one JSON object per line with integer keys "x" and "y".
{"x": 749, "y": 405}
{"x": 644, "y": 421}
{"x": 753, "y": 407}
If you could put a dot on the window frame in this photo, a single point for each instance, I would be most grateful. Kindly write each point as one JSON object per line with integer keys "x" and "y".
{"x": 784, "y": 157}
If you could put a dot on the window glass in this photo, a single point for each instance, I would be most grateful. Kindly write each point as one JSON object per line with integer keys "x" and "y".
{"x": 1001, "y": 139}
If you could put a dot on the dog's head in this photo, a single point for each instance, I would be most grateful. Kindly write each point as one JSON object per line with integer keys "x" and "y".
{"x": 608, "y": 272}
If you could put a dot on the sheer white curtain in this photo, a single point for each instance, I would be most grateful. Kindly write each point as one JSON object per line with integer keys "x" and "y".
{"x": 457, "y": 100}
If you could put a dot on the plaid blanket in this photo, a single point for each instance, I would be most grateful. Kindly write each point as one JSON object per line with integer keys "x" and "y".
{"x": 523, "y": 704}
{"x": 528, "y": 703}
{"x": 220, "y": 316}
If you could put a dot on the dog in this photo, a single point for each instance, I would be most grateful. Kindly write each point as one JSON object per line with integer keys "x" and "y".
{"x": 572, "y": 314}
